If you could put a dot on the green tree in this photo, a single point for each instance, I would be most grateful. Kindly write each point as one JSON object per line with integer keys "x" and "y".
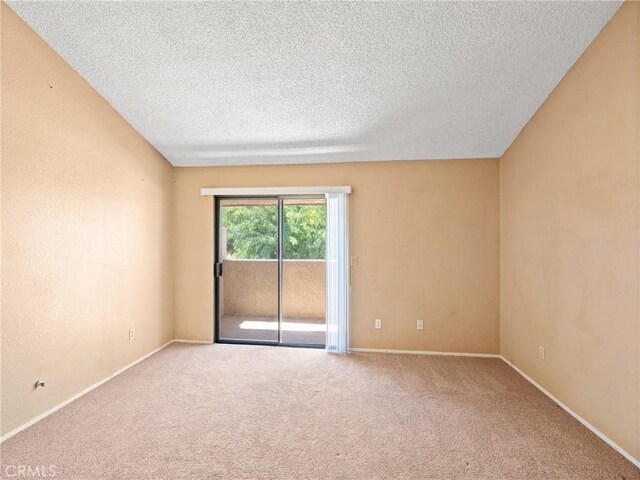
{"x": 252, "y": 231}
{"x": 304, "y": 231}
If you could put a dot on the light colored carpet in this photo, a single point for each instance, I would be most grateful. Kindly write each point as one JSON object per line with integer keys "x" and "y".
{"x": 235, "y": 411}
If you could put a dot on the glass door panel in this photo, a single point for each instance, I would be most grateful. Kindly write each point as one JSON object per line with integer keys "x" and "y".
{"x": 303, "y": 271}
{"x": 247, "y": 272}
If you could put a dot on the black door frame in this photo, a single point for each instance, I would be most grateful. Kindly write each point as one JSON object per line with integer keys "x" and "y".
{"x": 218, "y": 271}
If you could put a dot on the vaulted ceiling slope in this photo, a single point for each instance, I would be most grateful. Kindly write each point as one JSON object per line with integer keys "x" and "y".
{"x": 220, "y": 83}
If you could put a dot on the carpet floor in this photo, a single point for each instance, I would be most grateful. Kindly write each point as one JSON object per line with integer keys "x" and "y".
{"x": 234, "y": 411}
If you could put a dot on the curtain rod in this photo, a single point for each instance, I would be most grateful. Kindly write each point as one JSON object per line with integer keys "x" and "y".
{"x": 273, "y": 191}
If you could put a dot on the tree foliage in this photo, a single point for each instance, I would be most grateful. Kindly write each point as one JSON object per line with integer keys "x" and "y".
{"x": 252, "y": 231}
{"x": 304, "y": 231}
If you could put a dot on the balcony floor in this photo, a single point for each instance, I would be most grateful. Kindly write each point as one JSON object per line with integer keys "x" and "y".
{"x": 311, "y": 331}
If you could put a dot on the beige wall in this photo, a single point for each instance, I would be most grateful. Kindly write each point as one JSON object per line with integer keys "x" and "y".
{"x": 570, "y": 237}
{"x": 86, "y": 232}
{"x": 425, "y": 234}
{"x": 250, "y": 288}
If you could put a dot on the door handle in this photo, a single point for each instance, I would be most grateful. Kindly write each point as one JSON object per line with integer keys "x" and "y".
{"x": 217, "y": 270}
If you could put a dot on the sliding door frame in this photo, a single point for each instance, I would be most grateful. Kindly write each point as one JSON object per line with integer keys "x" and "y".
{"x": 217, "y": 261}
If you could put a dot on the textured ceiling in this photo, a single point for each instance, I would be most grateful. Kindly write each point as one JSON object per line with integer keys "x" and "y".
{"x": 213, "y": 83}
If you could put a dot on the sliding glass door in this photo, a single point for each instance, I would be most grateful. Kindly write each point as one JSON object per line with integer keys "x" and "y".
{"x": 247, "y": 271}
{"x": 270, "y": 270}
{"x": 303, "y": 271}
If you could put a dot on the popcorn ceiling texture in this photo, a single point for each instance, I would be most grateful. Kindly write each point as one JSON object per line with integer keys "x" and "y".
{"x": 248, "y": 83}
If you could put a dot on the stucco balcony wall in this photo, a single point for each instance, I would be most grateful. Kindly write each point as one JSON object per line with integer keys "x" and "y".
{"x": 250, "y": 288}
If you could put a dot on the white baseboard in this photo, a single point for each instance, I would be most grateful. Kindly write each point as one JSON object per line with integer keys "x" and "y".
{"x": 78, "y": 395}
{"x": 602, "y": 436}
{"x": 425, "y": 352}
{"x": 180, "y": 340}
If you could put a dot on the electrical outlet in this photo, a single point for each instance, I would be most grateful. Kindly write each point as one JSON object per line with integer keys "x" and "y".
{"x": 420, "y": 325}
{"x": 353, "y": 261}
{"x": 542, "y": 353}
{"x": 132, "y": 334}
{"x": 378, "y": 323}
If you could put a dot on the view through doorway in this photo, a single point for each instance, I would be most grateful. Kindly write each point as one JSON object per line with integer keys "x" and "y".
{"x": 270, "y": 270}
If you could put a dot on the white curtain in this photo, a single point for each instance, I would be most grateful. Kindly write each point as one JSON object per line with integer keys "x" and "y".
{"x": 337, "y": 272}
